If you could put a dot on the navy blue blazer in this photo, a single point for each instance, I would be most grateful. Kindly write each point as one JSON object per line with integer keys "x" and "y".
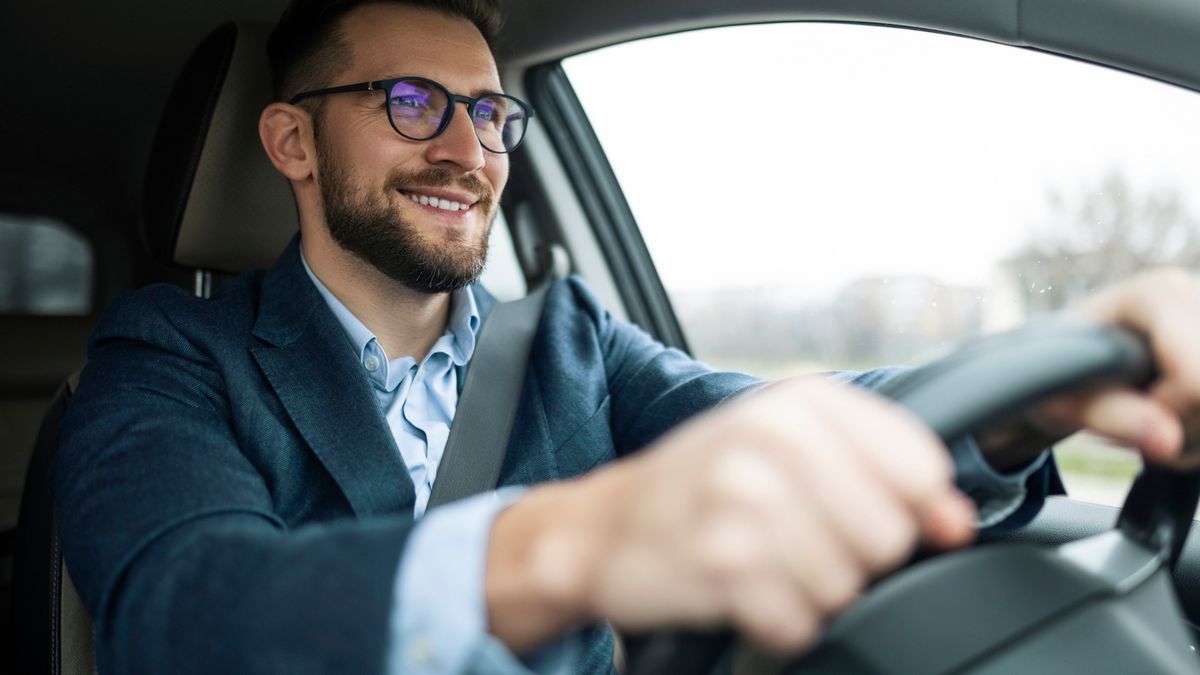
{"x": 230, "y": 498}
{"x": 226, "y": 484}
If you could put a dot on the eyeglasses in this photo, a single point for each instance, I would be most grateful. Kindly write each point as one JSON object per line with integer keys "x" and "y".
{"x": 420, "y": 109}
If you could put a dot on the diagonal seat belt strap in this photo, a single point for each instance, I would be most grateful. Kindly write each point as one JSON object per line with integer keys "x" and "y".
{"x": 487, "y": 406}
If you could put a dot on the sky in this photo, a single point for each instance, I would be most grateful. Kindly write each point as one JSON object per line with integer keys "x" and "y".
{"x": 864, "y": 151}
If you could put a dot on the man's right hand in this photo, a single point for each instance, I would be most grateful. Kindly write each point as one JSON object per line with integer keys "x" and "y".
{"x": 768, "y": 514}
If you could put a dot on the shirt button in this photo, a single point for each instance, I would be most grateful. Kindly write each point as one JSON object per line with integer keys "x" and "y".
{"x": 371, "y": 364}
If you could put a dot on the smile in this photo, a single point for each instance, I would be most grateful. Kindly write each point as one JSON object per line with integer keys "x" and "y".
{"x": 437, "y": 203}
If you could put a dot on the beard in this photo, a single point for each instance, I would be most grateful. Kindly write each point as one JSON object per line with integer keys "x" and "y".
{"x": 371, "y": 228}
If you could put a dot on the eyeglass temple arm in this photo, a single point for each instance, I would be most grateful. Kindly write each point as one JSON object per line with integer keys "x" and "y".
{"x": 360, "y": 86}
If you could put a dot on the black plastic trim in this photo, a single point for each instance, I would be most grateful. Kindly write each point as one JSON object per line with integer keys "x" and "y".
{"x": 38, "y": 561}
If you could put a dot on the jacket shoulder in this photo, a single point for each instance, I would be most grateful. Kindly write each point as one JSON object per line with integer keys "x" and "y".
{"x": 168, "y": 316}
{"x": 571, "y": 296}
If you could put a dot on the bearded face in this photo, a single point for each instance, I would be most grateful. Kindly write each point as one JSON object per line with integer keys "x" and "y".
{"x": 409, "y": 241}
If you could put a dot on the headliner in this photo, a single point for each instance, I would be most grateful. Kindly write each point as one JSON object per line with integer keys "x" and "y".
{"x": 86, "y": 81}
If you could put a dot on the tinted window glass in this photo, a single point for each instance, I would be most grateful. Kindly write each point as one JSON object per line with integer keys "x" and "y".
{"x": 45, "y": 267}
{"x": 825, "y": 196}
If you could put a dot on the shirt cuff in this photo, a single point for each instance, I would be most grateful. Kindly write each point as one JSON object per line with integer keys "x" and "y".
{"x": 996, "y": 495}
{"x": 439, "y": 614}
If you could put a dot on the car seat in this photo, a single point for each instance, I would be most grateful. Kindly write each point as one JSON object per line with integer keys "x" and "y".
{"x": 206, "y": 180}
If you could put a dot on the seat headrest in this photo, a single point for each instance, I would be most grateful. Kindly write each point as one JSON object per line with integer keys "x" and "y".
{"x": 212, "y": 199}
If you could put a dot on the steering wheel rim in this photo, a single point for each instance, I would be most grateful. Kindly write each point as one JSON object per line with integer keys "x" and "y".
{"x": 1021, "y": 368}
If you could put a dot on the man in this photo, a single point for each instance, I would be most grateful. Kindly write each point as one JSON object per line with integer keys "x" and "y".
{"x": 242, "y": 481}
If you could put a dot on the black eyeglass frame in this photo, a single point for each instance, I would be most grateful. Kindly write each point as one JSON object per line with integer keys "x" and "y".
{"x": 453, "y": 100}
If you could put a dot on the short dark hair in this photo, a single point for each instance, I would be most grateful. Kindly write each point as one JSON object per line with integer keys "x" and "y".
{"x": 306, "y": 49}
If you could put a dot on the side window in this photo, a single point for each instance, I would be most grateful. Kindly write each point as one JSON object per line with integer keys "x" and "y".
{"x": 45, "y": 268}
{"x": 829, "y": 196}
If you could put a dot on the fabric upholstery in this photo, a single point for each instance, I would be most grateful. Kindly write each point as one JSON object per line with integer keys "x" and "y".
{"x": 208, "y": 177}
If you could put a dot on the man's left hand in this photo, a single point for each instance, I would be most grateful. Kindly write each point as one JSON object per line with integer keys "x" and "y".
{"x": 1164, "y": 306}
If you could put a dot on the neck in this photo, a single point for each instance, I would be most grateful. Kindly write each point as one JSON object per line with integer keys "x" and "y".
{"x": 406, "y": 322}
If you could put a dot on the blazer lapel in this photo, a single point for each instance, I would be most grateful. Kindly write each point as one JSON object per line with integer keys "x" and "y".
{"x": 313, "y": 369}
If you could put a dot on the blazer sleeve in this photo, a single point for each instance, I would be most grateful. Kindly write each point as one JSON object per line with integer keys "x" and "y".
{"x": 170, "y": 535}
{"x": 652, "y": 388}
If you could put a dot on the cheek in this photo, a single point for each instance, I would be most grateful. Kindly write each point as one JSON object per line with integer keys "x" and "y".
{"x": 496, "y": 172}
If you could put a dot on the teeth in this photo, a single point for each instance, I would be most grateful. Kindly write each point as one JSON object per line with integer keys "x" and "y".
{"x": 444, "y": 204}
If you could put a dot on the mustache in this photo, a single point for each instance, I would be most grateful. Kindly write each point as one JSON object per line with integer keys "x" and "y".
{"x": 437, "y": 177}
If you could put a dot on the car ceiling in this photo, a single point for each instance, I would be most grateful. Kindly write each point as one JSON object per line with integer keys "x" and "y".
{"x": 85, "y": 81}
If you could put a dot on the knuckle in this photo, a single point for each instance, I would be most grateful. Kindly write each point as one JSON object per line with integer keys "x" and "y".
{"x": 715, "y": 487}
{"x": 781, "y": 625}
{"x": 838, "y": 589}
{"x": 925, "y": 473}
{"x": 798, "y": 632}
{"x": 935, "y": 475}
{"x": 890, "y": 546}
{"x": 726, "y": 558}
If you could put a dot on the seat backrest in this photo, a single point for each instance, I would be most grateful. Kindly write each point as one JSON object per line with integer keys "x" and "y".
{"x": 212, "y": 202}
{"x": 52, "y": 630}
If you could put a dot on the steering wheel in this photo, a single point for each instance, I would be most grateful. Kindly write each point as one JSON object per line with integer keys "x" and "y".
{"x": 1104, "y": 604}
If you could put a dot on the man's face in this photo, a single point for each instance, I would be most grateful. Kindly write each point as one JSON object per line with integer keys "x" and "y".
{"x": 369, "y": 175}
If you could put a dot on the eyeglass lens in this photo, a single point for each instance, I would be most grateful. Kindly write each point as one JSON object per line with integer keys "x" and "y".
{"x": 417, "y": 109}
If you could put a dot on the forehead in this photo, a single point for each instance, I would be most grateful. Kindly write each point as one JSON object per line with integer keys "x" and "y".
{"x": 390, "y": 39}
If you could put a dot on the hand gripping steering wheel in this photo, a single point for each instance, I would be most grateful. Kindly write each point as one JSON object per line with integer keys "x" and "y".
{"x": 1103, "y": 604}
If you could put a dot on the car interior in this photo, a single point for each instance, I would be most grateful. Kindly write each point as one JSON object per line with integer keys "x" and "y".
{"x": 131, "y": 128}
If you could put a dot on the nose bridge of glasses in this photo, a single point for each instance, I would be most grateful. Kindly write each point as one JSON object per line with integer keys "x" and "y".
{"x": 471, "y": 104}
{"x": 465, "y": 100}
{"x": 450, "y": 120}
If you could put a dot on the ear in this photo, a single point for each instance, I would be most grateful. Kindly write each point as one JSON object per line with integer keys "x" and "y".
{"x": 286, "y": 134}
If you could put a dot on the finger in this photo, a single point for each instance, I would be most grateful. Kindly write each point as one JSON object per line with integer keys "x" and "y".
{"x": 899, "y": 450}
{"x": 860, "y": 508}
{"x": 814, "y": 554}
{"x": 875, "y": 512}
{"x": 1123, "y": 415}
{"x": 780, "y": 531}
{"x": 768, "y": 613}
{"x": 950, "y": 523}
{"x": 1164, "y": 305}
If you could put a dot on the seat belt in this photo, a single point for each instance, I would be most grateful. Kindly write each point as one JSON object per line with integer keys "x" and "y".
{"x": 487, "y": 406}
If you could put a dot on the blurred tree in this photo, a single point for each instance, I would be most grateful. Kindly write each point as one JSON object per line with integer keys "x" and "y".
{"x": 1105, "y": 234}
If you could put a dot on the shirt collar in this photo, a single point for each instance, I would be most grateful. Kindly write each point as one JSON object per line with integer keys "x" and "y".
{"x": 458, "y": 342}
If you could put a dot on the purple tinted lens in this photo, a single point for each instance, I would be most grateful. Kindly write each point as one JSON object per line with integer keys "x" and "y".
{"x": 499, "y": 122}
{"x": 416, "y": 108}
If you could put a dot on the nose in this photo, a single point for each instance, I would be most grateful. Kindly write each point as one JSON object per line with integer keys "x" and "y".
{"x": 457, "y": 144}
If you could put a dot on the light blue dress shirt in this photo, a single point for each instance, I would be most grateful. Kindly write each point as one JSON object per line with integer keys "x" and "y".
{"x": 441, "y": 624}
{"x": 439, "y": 619}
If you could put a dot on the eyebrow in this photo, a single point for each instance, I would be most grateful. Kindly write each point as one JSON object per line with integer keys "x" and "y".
{"x": 499, "y": 89}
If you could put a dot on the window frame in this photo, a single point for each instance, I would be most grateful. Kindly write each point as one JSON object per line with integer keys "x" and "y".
{"x": 604, "y": 205}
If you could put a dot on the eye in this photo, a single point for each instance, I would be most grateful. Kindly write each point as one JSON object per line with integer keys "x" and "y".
{"x": 410, "y": 101}
{"x": 492, "y": 110}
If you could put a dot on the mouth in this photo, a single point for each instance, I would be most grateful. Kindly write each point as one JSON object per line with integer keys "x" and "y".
{"x": 448, "y": 202}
